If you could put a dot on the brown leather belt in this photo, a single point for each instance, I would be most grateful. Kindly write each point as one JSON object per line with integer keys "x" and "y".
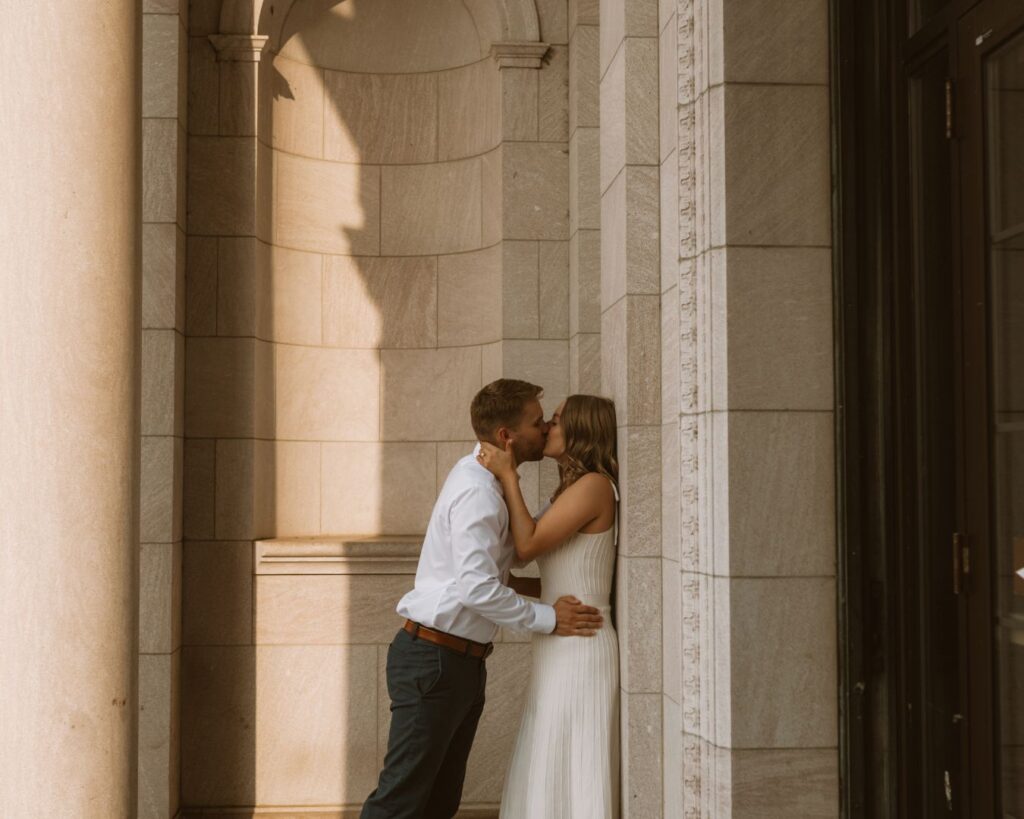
{"x": 457, "y": 644}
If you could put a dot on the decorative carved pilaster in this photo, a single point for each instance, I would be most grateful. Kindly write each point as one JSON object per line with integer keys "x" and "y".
{"x": 518, "y": 55}
{"x": 239, "y": 48}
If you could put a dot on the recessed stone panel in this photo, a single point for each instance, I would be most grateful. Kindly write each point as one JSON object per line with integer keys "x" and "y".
{"x": 430, "y": 209}
{"x": 297, "y": 94}
{"x": 380, "y": 302}
{"x": 328, "y": 207}
{"x": 469, "y": 302}
{"x": 217, "y": 593}
{"x": 380, "y": 118}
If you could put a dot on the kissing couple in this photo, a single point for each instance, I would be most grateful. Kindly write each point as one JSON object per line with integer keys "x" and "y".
{"x": 566, "y": 759}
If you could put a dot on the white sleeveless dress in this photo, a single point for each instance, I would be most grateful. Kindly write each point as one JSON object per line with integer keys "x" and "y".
{"x": 566, "y": 759}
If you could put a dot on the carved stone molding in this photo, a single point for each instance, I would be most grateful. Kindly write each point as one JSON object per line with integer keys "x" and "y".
{"x": 519, "y": 55}
{"x": 239, "y": 48}
{"x": 338, "y": 554}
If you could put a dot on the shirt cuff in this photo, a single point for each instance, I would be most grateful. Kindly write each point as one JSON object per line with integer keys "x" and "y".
{"x": 544, "y": 620}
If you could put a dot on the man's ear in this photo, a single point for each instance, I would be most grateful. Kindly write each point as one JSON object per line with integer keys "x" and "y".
{"x": 503, "y": 435}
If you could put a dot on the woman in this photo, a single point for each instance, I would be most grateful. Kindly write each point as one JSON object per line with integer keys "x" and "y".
{"x": 566, "y": 759}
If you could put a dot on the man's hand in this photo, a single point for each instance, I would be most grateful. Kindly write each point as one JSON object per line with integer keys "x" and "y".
{"x": 573, "y": 619}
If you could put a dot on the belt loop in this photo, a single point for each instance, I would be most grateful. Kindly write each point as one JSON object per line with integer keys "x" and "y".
{"x": 416, "y": 631}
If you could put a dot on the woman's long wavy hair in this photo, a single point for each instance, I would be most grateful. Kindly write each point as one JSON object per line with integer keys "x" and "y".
{"x": 588, "y": 429}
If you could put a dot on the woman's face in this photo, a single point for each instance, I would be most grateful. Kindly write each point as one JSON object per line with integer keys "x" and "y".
{"x": 555, "y": 445}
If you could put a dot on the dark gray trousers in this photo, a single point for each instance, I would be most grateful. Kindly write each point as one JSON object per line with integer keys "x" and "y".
{"x": 437, "y": 697}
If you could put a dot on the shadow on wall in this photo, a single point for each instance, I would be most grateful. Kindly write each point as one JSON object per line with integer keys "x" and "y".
{"x": 375, "y": 277}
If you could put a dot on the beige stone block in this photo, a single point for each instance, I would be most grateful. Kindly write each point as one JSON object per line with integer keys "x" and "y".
{"x": 160, "y": 65}
{"x": 470, "y": 103}
{"x": 553, "y": 18}
{"x": 641, "y": 98}
{"x": 777, "y": 173}
{"x": 469, "y": 303}
{"x": 585, "y": 282}
{"x": 203, "y": 87}
{"x": 520, "y": 290}
{"x": 507, "y": 676}
{"x": 640, "y": 487}
{"x": 327, "y": 207}
{"x": 266, "y": 189}
{"x": 204, "y": 17}
{"x": 220, "y": 386}
{"x": 544, "y": 363}
{"x": 782, "y": 676}
{"x": 670, "y": 206}
{"x": 430, "y": 209}
{"x": 159, "y": 598}
{"x": 639, "y": 621}
{"x": 776, "y": 527}
{"x": 340, "y": 609}
{"x": 316, "y": 718}
{"x": 641, "y": 753}
{"x": 671, "y": 343}
{"x": 672, "y": 754}
{"x": 161, "y": 264}
{"x": 222, "y": 186}
{"x": 378, "y": 488}
{"x": 613, "y": 121}
{"x": 553, "y": 91}
{"x": 795, "y": 52}
{"x": 492, "y": 197}
{"x": 519, "y": 103}
{"x": 774, "y": 308}
{"x": 380, "y": 302}
{"x": 380, "y": 118}
{"x": 217, "y": 593}
{"x": 297, "y": 109}
{"x": 296, "y": 301}
{"x": 235, "y": 494}
{"x": 584, "y": 179}
{"x": 553, "y": 270}
{"x": 201, "y": 287}
{"x": 671, "y": 631}
{"x": 158, "y": 693}
{"x": 160, "y": 170}
{"x": 713, "y": 184}
{"x": 160, "y": 490}
{"x": 241, "y": 284}
{"x": 450, "y": 453}
{"x": 163, "y": 396}
{"x": 535, "y": 181}
{"x": 292, "y": 482}
{"x": 426, "y": 393}
{"x": 490, "y": 364}
{"x": 327, "y": 394}
{"x": 777, "y": 784}
{"x": 584, "y": 13}
{"x": 584, "y": 78}
{"x": 630, "y": 247}
{"x": 239, "y": 99}
{"x": 218, "y": 725}
{"x": 613, "y": 33}
{"x": 585, "y": 364}
{"x": 668, "y": 90}
{"x": 199, "y": 488}
{"x": 631, "y": 359}
{"x": 671, "y": 490}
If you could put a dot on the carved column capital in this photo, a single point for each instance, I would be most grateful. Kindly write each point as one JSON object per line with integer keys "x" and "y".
{"x": 518, "y": 54}
{"x": 239, "y": 48}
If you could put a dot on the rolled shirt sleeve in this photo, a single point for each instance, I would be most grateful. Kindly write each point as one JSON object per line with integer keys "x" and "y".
{"x": 477, "y": 540}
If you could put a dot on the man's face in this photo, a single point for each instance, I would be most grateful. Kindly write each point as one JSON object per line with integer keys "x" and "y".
{"x": 529, "y": 437}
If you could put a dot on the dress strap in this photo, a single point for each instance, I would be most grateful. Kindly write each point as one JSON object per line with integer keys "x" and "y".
{"x": 615, "y": 524}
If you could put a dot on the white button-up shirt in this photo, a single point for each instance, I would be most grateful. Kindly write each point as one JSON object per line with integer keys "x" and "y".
{"x": 465, "y": 562}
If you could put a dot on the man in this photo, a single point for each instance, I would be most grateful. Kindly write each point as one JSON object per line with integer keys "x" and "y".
{"x": 436, "y": 669}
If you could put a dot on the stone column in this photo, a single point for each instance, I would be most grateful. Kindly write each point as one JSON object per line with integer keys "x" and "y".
{"x": 69, "y": 407}
{"x": 631, "y": 373}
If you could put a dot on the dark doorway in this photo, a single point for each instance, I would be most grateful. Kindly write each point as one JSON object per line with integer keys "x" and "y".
{"x": 928, "y": 107}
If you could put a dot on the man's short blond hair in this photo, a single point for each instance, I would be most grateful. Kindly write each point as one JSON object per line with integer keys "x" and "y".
{"x": 501, "y": 404}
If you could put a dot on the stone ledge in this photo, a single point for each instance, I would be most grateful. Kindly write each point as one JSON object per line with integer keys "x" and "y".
{"x": 338, "y": 554}
{"x": 466, "y": 812}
